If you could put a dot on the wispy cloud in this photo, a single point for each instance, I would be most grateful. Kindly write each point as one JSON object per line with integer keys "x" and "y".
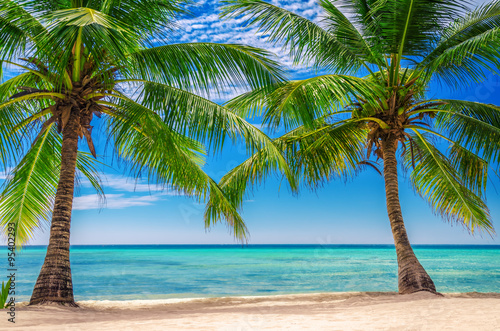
{"x": 126, "y": 192}
{"x": 114, "y": 201}
{"x": 210, "y": 28}
{"x": 129, "y": 184}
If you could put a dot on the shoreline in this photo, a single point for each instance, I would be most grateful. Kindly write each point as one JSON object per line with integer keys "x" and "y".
{"x": 340, "y": 295}
{"x": 311, "y": 311}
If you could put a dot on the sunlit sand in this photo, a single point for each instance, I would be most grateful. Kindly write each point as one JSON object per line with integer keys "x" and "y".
{"x": 328, "y": 311}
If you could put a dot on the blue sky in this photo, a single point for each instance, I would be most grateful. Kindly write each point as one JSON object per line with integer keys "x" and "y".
{"x": 339, "y": 213}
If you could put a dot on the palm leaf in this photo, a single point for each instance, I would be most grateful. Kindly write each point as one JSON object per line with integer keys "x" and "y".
{"x": 86, "y": 26}
{"x": 468, "y": 47}
{"x": 438, "y": 182}
{"x": 300, "y": 102}
{"x": 27, "y": 197}
{"x": 409, "y": 26}
{"x": 4, "y": 293}
{"x": 18, "y": 29}
{"x": 200, "y": 67}
{"x": 473, "y": 125}
{"x": 148, "y": 18}
{"x": 306, "y": 41}
{"x": 350, "y": 31}
{"x": 328, "y": 152}
{"x": 199, "y": 118}
{"x": 150, "y": 147}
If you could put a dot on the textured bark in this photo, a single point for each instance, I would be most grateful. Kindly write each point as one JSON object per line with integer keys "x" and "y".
{"x": 54, "y": 284}
{"x": 412, "y": 277}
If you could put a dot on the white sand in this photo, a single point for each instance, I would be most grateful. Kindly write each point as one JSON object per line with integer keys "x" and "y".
{"x": 330, "y": 311}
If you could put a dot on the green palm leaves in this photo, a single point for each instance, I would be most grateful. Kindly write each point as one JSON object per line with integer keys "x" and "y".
{"x": 199, "y": 67}
{"x": 466, "y": 47}
{"x": 453, "y": 193}
{"x": 383, "y": 55}
{"x": 337, "y": 122}
{"x": 306, "y": 41}
{"x": 27, "y": 197}
{"x": 81, "y": 56}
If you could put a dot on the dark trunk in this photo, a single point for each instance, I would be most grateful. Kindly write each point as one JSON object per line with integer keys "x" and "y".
{"x": 412, "y": 277}
{"x": 54, "y": 283}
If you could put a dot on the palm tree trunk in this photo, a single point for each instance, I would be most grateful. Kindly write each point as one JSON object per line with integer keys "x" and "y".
{"x": 412, "y": 277}
{"x": 54, "y": 284}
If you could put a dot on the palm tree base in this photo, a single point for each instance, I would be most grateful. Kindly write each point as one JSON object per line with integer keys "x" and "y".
{"x": 54, "y": 303}
{"x": 413, "y": 290}
{"x": 423, "y": 290}
{"x": 413, "y": 278}
{"x": 52, "y": 294}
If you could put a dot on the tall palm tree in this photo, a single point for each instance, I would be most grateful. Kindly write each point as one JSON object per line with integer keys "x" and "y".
{"x": 383, "y": 55}
{"x": 80, "y": 59}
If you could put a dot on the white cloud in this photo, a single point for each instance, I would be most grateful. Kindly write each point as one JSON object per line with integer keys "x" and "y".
{"x": 199, "y": 26}
{"x": 128, "y": 184}
{"x": 113, "y": 201}
{"x": 118, "y": 200}
{"x": 122, "y": 197}
{"x": 211, "y": 27}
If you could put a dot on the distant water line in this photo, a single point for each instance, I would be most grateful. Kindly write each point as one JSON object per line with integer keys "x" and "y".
{"x": 129, "y": 272}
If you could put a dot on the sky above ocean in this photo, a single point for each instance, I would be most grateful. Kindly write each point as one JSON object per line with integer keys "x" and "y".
{"x": 338, "y": 213}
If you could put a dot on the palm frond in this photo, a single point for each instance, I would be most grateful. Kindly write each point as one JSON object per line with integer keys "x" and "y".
{"x": 219, "y": 207}
{"x": 18, "y": 29}
{"x": 199, "y": 118}
{"x": 437, "y": 181}
{"x": 330, "y": 151}
{"x": 336, "y": 154}
{"x": 29, "y": 191}
{"x": 409, "y": 26}
{"x": 27, "y": 197}
{"x": 18, "y": 119}
{"x": 107, "y": 39}
{"x": 468, "y": 47}
{"x": 150, "y": 147}
{"x": 350, "y": 32}
{"x": 305, "y": 40}
{"x": 14, "y": 85}
{"x": 301, "y": 102}
{"x": 201, "y": 67}
{"x": 472, "y": 169}
{"x": 473, "y": 125}
{"x": 149, "y": 18}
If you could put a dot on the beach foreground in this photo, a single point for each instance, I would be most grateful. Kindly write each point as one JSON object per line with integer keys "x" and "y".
{"x": 327, "y": 311}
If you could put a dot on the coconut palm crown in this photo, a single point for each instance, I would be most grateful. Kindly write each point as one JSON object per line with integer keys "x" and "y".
{"x": 78, "y": 60}
{"x": 375, "y": 105}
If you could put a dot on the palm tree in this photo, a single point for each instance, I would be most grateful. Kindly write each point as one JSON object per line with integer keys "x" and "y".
{"x": 384, "y": 54}
{"x": 79, "y": 59}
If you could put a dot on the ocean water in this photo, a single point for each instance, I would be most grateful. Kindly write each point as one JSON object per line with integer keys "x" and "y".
{"x": 171, "y": 271}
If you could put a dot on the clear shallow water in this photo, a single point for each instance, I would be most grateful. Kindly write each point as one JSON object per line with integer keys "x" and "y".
{"x": 171, "y": 271}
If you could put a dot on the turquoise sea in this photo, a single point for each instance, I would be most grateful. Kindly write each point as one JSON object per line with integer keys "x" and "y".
{"x": 179, "y": 271}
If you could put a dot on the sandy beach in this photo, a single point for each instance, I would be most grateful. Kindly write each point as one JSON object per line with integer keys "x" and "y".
{"x": 326, "y": 311}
